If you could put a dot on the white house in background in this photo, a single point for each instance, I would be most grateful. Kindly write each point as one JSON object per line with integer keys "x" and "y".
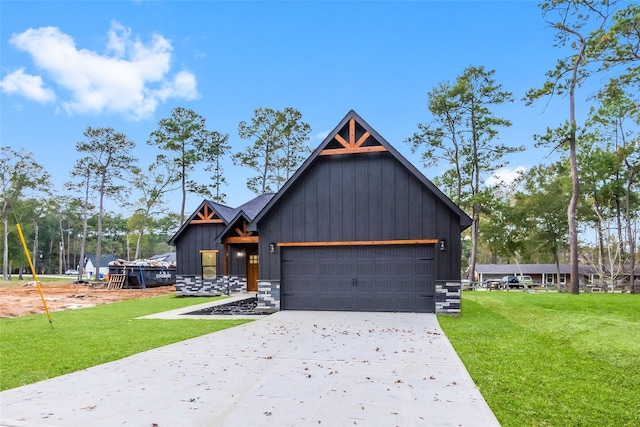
{"x": 90, "y": 266}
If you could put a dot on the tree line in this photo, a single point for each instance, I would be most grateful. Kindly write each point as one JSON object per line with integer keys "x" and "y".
{"x": 107, "y": 169}
{"x": 600, "y": 156}
{"x": 537, "y": 218}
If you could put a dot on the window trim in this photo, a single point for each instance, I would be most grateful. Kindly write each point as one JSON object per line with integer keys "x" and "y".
{"x": 202, "y": 265}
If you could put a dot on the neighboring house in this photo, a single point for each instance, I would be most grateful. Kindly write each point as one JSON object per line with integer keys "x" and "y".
{"x": 542, "y": 274}
{"x": 357, "y": 228}
{"x": 90, "y": 265}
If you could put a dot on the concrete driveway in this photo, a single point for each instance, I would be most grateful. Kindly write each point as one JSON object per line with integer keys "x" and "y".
{"x": 291, "y": 368}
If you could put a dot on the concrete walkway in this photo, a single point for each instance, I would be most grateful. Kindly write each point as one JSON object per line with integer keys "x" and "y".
{"x": 291, "y": 368}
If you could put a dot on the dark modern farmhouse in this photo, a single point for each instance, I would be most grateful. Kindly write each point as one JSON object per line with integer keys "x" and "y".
{"x": 356, "y": 228}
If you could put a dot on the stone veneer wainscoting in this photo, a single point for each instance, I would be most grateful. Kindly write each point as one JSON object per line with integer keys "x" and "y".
{"x": 448, "y": 294}
{"x": 448, "y": 298}
{"x": 187, "y": 285}
{"x": 268, "y": 295}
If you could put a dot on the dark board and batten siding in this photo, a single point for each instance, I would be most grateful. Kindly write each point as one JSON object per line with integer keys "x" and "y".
{"x": 196, "y": 237}
{"x": 363, "y": 197}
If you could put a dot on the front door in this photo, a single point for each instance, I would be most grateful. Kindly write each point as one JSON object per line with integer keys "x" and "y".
{"x": 252, "y": 272}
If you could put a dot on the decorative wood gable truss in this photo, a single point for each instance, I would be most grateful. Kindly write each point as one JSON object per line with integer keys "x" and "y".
{"x": 206, "y": 215}
{"x": 240, "y": 234}
{"x": 351, "y": 139}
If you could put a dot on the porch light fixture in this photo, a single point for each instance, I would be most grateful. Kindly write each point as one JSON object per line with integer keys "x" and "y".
{"x": 272, "y": 248}
{"x": 240, "y": 253}
{"x": 443, "y": 244}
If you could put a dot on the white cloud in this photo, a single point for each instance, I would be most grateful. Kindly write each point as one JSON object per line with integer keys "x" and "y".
{"x": 130, "y": 78}
{"x": 505, "y": 176}
{"x": 31, "y": 87}
{"x": 321, "y": 135}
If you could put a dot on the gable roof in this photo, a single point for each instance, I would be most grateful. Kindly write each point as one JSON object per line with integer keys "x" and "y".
{"x": 224, "y": 212}
{"x": 228, "y": 214}
{"x": 370, "y": 141}
{"x": 104, "y": 259}
{"x": 254, "y": 206}
{"x": 247, "y": 211}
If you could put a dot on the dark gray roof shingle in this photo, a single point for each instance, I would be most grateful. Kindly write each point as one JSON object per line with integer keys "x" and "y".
{"x": 254, "y": 206}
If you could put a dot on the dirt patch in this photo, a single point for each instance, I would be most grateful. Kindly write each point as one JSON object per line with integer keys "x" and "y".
{"x": 19, "y": 301}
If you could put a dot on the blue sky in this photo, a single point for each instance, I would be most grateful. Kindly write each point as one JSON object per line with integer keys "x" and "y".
{"x": 125, "y": 65}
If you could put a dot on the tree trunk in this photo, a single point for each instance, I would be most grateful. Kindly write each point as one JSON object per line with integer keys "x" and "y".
{"x": 138, "y": 245}
{"x": 85, "y": 219}
{"x": 630, "y": 236}
{"x": 62, "y": 254}
{"x": 601, "y": 256}
{"x": 69, "y": 265}
{"x": 5, "y": 246}
{"x": 619, "y": 224}
{"x": 475, "y": 226}
{"x": 35, "y": 248}
{"x": 184, "y": 193}
{"x": 60, "y": 257}
{"x": 574, "y": 285}
{"x": 265, "y": 170}
{"x": 99, "y": 237}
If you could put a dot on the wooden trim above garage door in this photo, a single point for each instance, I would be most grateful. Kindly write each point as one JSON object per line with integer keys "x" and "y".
{"x": 363, "y": 243}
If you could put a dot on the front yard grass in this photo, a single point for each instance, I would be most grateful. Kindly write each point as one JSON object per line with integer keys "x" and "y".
{"x": 30, "y": 350}
{"x": 549, "y": 359}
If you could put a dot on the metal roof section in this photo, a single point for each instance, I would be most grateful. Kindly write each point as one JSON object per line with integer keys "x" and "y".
{"x": 353, "y": 136}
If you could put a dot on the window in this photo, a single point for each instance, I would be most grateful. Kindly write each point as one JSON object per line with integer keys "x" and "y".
{"x": 563, "y": 278}
{"x": 253, "y": 259}
{"x": 209, "y": 264}
{"x": 549, "y": 278}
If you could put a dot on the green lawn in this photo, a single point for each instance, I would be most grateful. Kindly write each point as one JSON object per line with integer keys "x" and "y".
{"x": 543, "y": 359}
{"x": 549, "y": 359}
{"x": 30, "y": 350}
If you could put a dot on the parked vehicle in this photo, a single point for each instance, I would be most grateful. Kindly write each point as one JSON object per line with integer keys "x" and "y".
{"x": 526, "y": 280}
{"x": 510, "y": 282}
{"x": 491, "y": 284}
{"x": 71, "y": 272}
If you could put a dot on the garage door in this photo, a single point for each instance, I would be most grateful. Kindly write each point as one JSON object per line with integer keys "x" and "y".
{"x": 397, "y": 278}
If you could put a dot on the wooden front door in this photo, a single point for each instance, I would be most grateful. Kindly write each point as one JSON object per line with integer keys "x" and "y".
{"x": 252, "y": 272}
